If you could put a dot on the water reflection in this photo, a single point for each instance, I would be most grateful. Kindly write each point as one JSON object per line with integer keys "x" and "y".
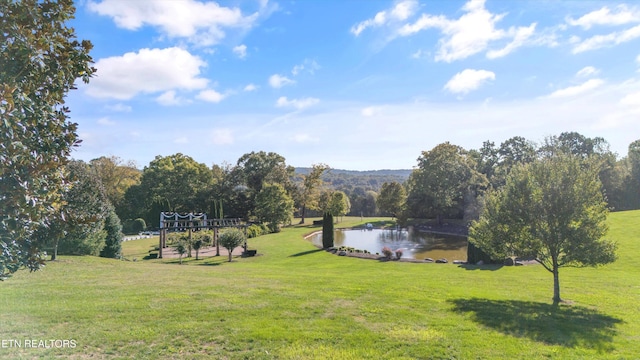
{"x": 415, "y": 244}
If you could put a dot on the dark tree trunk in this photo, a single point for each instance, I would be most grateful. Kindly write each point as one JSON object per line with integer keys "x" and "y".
{"x": 556, "y": 284}
{"x": 304, "y": 210}
{"x": 216, "y": 237}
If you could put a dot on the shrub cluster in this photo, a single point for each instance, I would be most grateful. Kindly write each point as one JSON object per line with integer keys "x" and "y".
{"x": 255, "y": 230}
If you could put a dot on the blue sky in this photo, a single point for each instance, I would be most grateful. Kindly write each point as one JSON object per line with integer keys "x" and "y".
{"x": 357, "y": 85}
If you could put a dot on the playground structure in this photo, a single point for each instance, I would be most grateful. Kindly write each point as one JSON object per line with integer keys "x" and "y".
{"x": 192, "y": 222}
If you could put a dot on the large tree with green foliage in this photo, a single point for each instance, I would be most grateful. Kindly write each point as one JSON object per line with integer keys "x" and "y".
{"x": 40, "y": 60}
{"x": 392, "y": 198}
{"x": 174, "y": 183}
{"x": 437, "y": 187}
{"x": 308, "y": 191}
{"x": 336, "y": 203}
{"x": 255, "y": 169}
{"x": 551, "y": 210}
{"x": 116, "y": 176}
{"x": 274, "y": 206}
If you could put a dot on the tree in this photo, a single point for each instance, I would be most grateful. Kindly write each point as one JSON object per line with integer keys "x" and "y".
{"x": 40, "y": 60}
{"x": 309, "y": 192}
{"x": 198, "y": 243}
{"x": 551, "y": 210}
{"x": 338, "y": 203}
{"x": 512, "y": 152}
{"x": 116, "y": 176}
{"x": 113, "y": 240}
{"x": 362, "y": 202}
{"x": 632, "y": 181}
{"x": 392, "y": 198}
{"x": 573, "y": 143}
{"x": 181, "y": 248}
{"x": 486, "y": 159}
{"x": 174, "y": 183}
{"x": 327, "y": 230}
{"x": 437, "y": 188}
{"x": 255, "y": 169}
{"x": 83, "y": 214}
{"x": 261, "y": 167}
{"x": 231, "y": 239}
{"x": 274, "y": 206}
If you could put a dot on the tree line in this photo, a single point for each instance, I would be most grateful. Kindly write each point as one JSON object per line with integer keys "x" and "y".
{"x": 448, "y": 182}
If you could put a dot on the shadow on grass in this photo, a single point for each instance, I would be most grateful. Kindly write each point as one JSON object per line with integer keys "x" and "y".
{"x": 564, "y": 325}
{"x": 213, "y": 261}
{"x": 491, "y": 267}
{"x": 306, "y": 252}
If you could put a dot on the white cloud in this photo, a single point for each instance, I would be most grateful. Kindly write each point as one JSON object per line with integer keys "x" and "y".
{"x": 169, "y": 98}
{"x": 251, "y": 87}
{"x": 370, "y": 111}
{"x": 470, "y": 34}
{"x": 520, "y": 36}
{"x": 222, "y": 137}
{"x": 468, "y": 80}
{"x": 614, "y": 38}
{"x": 418, "y": 54}
{"x": 106, "y": 121}
{"x": 202, "y": 23}
{"x": 400, "y": 12}
{"x": 146, "y": 71}
{"x": 240, "y": 51}
{"x": 277, "y": 81}
{"x": 308, "y": 64}
{"x": 638, "y": 59}
{"x": 587, "y": 71}
{"x": 622, "y": 15}
{"x": 577, "y": 89}
{"x": 211, "y": 96}
{"x": 631, "y": 99}
{"x": 296, "y": 103}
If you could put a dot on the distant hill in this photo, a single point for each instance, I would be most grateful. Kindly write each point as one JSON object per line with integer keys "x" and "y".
{"x": 369, "y": 179}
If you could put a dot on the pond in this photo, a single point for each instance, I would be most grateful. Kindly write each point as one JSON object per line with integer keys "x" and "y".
{"x": 415, "y": 244}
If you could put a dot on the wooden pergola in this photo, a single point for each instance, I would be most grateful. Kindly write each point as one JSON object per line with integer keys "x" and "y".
{"x": 191, "y": 222}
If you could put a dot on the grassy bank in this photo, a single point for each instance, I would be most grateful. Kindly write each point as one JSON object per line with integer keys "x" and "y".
{"x": 295, "y": 301}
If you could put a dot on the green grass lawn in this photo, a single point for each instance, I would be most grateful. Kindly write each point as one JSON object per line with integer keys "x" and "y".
{"x": 297, "y": 302}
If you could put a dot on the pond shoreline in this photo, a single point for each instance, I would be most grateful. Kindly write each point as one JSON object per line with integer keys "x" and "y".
{"x": 369, "y": 256}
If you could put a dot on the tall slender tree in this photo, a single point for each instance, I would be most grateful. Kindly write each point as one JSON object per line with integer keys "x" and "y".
{"x": 309, "y": 189}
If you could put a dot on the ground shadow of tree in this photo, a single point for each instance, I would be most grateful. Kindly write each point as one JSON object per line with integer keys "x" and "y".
{"x": 490, "y": 267}
{"x": 564, "y": 325}
{"x": 306, "y": 252}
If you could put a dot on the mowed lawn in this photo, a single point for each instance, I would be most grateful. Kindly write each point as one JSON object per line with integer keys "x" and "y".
{"x": 297, "y": 302}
